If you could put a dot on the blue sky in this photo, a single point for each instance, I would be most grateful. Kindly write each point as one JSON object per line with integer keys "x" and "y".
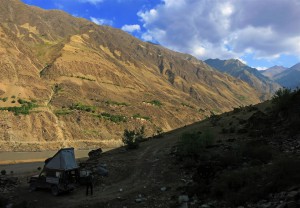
{"x": 260, "y": 33}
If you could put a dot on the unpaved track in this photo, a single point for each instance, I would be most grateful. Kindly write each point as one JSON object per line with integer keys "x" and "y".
{"x": 137, "y": 172}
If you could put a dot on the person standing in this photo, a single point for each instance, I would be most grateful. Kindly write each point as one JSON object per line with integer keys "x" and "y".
{"x": 89, "y": 184}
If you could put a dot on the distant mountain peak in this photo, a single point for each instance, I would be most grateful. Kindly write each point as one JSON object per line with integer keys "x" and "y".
{"x": 246, "y": 73}
{"x": 286, "y": 77}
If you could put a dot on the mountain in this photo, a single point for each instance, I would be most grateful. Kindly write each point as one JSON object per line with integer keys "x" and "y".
{"x": 273, "y": 71}
{"x": 289, "y": 78}
{"x": 250, "y": 75}
{"x": 66, "y": 81}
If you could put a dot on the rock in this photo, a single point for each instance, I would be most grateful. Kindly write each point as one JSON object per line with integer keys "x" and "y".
{"x": 184, "y": 205}
{"x": 204, "y": 206}
{"x": 138, "y": 200}
{"x": 9, "y": 205}
{"x": 102, "y": 171}
{"x": 183, "y": 198}
{"x": 291, "y": 204}
{"x": 267, "y": 205}
{"x": 120, "y": 189}
{"x": 292, "y": 195}
{"x": 283, "y": 205}
{"x": 163, "y": 188}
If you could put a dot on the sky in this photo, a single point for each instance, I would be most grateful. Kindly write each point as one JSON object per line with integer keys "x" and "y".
{"x": 260, "y": 33}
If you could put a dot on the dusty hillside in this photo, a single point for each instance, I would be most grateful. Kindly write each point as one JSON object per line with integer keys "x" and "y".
{"x": 66, "y": 81}
{"x": 252, "y": 76}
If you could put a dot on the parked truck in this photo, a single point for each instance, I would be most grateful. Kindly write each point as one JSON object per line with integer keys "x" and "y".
{"x": 60, "y": 173}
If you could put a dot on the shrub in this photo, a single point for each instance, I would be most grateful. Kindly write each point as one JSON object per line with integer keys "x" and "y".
{"x": 110, "y": 102}
{"x": 155, "y": 102}
{"x": 132, "y": 138}
{"x": 5, "y": 99}
{"x": 239, "y": 186}
{"x": 225, "y": 131}
{"x": 139, "y": 116}
{"x": 56, "y": 88}
{"x": 283, "y": 173}
{"x": 3, "y": 172}
{"x": 81, "y": 107}
{"x": 256, "y": 151}
{"x": 281, "y": 98}
{"x": 26, "y": 106}
{"x": 114, "y": 118}
{"x": 191, "y": 144}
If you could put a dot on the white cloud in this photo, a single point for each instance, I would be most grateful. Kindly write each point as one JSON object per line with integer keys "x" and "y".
{"x": 91, "y": 1}
{"x": 261, "y": 68}
{"x": 131, "y": 28}
{"x": 100, "y": 21}
{"x": 227, "y": 28}
{"x": 147, "y": 37}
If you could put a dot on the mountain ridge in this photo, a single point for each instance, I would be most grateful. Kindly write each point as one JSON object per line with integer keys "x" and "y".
{"x": 250, "y": 75}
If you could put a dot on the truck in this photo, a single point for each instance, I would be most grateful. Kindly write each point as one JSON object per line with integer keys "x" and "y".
{"x": 59, "y": 174}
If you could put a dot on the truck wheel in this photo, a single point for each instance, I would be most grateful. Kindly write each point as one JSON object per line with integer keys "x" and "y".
{"x": 54, "y": 190}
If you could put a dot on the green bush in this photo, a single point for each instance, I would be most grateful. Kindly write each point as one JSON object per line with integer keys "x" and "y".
{"x": 132, "y": 138}
{"x": 281, "y": 99}
{"x": 81, "y": 107}
{"x": 24, "y": 109}
{"x": 113, "y": 118}
{"x": 110, "y": 102}
{"x": 3, "y": 172}
{"x": 62, "y": 112}
{"x": 192, "y": 144}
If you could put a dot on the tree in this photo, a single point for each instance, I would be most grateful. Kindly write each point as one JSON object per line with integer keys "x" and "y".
{"x": 132, "y": 138}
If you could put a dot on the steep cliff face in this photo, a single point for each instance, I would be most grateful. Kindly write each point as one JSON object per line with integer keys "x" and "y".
{"x": 66, "y": 81}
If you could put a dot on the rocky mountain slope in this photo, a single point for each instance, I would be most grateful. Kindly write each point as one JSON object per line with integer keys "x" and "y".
{"x": 289, "y": 78}
{"x": 68, "y": 82}
{"x": 273, "y": 71}
{"x": 250, "y": 75}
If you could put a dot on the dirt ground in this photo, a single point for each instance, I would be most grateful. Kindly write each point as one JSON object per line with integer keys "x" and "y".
{"x": 144, "y": 177}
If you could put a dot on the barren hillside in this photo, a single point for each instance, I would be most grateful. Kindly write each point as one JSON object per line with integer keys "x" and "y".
{"x": 68, "y": 82}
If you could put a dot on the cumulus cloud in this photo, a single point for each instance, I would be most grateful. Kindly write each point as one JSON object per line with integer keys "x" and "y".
{"x": 131, "y": 28}
{"x": 100, "y": 21}
{"x": 91, "y": 1}
{"x": 227, "y": 28}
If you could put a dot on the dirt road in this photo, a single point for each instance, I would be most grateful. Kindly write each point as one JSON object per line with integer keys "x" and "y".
{"x": 136, "y": 177}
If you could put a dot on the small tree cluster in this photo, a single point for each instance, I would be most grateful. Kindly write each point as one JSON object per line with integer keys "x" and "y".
{"x": 281, "y": 98}
{"x": 132, "y": 138}
{"x": 3, "y": 172}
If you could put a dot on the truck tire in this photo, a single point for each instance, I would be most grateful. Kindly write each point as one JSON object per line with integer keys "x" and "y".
{"x": 54, "y": 190}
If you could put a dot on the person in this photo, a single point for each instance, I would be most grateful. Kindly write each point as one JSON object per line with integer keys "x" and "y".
{"x": 89, "y": 184}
